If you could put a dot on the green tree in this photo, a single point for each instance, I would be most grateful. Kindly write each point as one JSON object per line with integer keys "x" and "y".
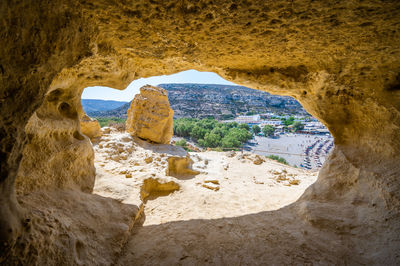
{"x": 230, "y": 142}
{"x": 268, "y": 130}
{"x": 256, "y": 129}
{"x": 240, "y": 134}
{"x": 298, "y": 126}
{"x": 212, "y": 140}
{"x": 244, "y": 126}
{"x": 198, "y": 132}
{"x": 221, "y": 131}
{"x": 289, "y": 121}
{"x": 183, "y": 127}
{"x": 210, "y": 133}
{"x": 181, "y": 142}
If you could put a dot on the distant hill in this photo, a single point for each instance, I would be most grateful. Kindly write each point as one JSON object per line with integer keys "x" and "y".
{"x": 117, "y": 112}
{"x": 90, "y": 105}
{"x": 219, "y": 101}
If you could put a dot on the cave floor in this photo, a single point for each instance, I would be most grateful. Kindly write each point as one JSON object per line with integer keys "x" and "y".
{"x": 178, "y": 226}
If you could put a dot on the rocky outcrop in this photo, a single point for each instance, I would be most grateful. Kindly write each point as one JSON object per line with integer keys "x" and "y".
{"x": 150, "y": 116}
{"x": 57, "y": 154}
{"x": 341, "y": 61}
{"x": 90, "y": 127}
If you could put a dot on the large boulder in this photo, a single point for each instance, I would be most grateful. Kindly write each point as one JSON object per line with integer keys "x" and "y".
{"x": 150, "y": 116}
{"x": 90, "y": 127}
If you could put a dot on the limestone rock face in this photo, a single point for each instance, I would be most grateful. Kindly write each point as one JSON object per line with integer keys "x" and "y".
{"x": 150, "y": 116}
{"x": 57, "y": 154}
{"x": 90, "y": 127}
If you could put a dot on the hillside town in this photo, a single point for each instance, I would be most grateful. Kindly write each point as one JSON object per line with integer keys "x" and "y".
{"x": 310, "y": 124}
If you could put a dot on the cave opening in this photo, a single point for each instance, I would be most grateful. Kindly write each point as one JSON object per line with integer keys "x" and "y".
{"x": 205, "y": 109}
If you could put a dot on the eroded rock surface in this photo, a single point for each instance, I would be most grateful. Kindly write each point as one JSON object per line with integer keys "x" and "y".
{"x": 150, "y": 116}
{"x": 90, "y": 127}
{"x": 57, "y": 154}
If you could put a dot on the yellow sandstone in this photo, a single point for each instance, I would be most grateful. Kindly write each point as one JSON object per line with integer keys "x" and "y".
{"x": 150, "y": 116}
{"x": 90, "y": 127}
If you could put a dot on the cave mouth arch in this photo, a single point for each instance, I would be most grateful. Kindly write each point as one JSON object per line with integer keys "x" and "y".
{"x": 306, "y": 208}
{"x": 196, "y": 90}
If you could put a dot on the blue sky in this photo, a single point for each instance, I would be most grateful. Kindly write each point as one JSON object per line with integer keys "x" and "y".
{"x": 189, "y": 76}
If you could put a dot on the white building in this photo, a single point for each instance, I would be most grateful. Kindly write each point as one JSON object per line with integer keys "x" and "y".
{"x": 248, "y": 119}
{"x": 272, "y": 122}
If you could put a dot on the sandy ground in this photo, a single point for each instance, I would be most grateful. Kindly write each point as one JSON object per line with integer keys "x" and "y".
{"x": 230, "y": 185}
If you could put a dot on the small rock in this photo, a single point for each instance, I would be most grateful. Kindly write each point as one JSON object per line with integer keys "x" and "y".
{"x": 258, "y": 160}
{"x": 148, "y": 160}
{"x": 230, "y": 154}
{"x": 211, "y": 186}
{"x": 214, "y": 181}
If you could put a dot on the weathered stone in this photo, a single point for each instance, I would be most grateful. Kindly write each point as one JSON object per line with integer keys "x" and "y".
{"x": 150, "y": 116}
{"x": 148, "y": 160}
{"x": 156, "y": 187}
{"x": 56, "y": 155}
{"x": 180, "y": 166}
{"x": 258, "y": 160}
{"x": 90, "y": 127}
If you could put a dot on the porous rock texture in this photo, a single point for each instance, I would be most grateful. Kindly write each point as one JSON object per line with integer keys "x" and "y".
{"x": 150, "y": 117}
{"x": 90, "y": 127}
{"x": 341, "y": 60}
{"x": 57, "y": 154}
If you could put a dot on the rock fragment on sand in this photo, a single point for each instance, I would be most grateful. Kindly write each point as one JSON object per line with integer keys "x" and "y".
{"x": 211, "y": 186}
{"x": 258, "y": 160}
{"x": 178, "y": 166}
{"x": 211, "y": 180}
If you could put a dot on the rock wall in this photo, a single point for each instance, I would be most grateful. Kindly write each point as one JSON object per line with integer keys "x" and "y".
{"x": 150, "y": 117}
{"x": 341, "y": 61}
{"x": 57, "y": 154}
{"x": 38, "y": 41}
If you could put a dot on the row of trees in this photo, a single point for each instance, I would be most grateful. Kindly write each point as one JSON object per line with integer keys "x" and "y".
{"x": 211, "y": 133}
{"x": 269, "y": 130}
{"x": 297, "y": 125}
